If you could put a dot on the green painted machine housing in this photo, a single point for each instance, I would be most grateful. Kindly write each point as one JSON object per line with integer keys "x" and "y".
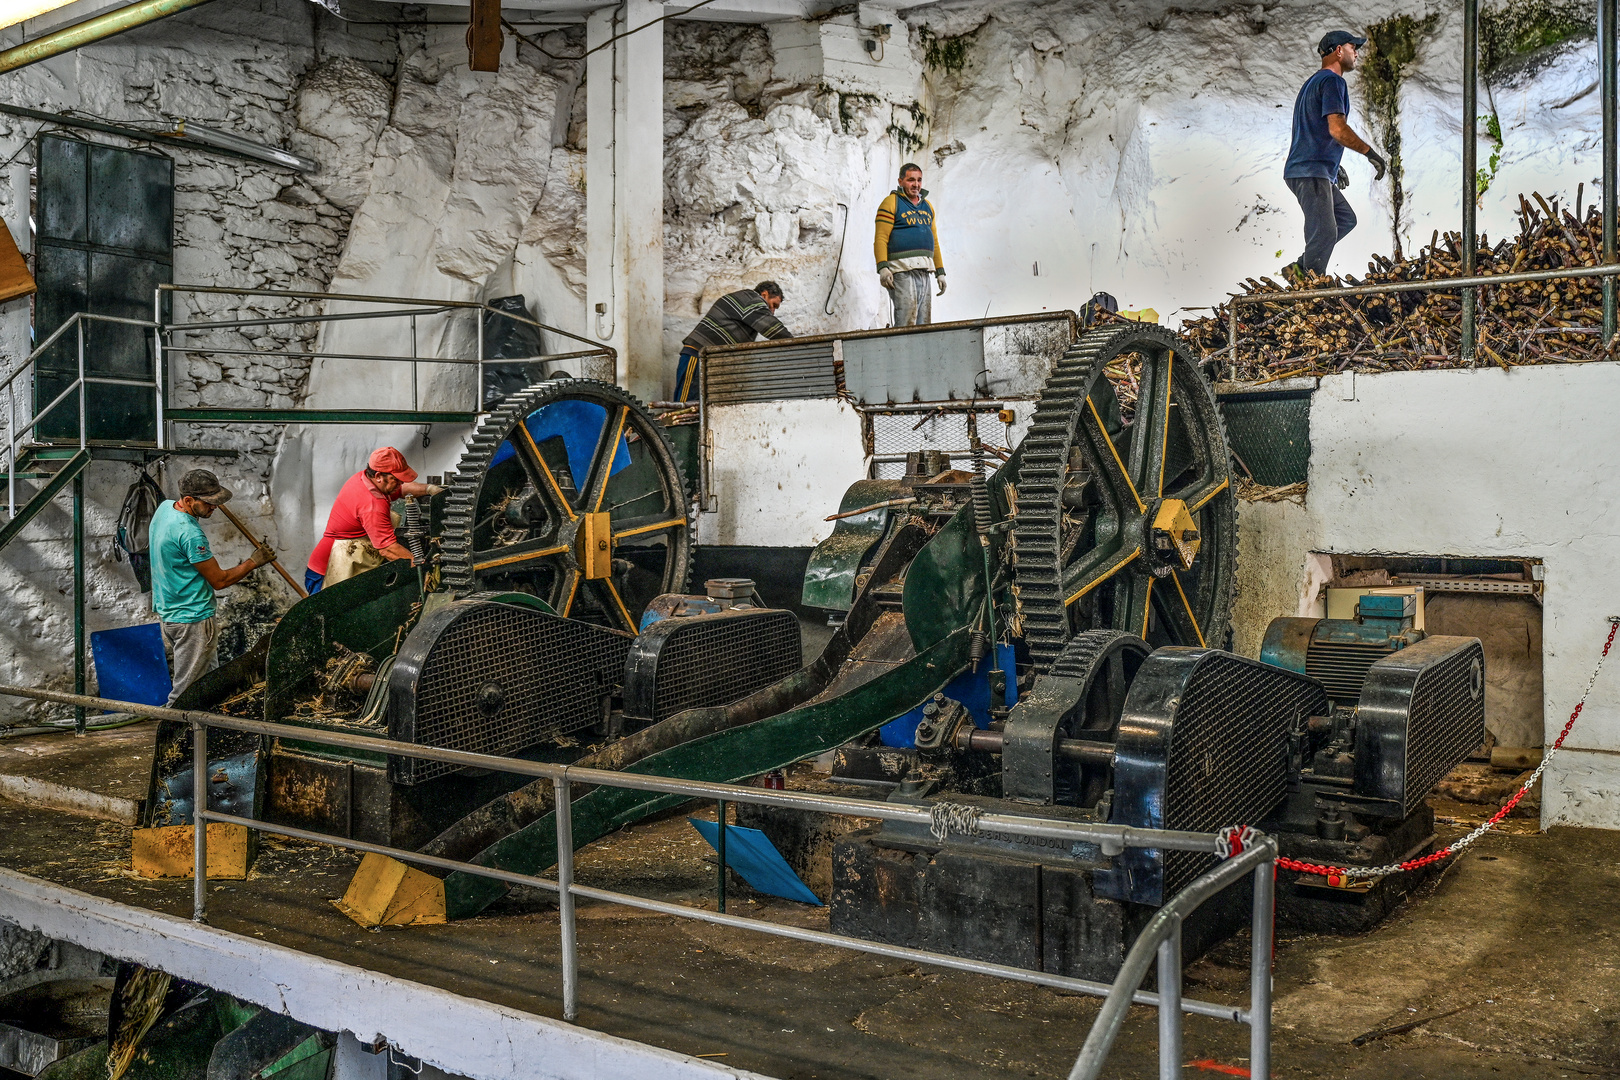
{"x": 836, "y": 563}
{"x": 369, "y": 613}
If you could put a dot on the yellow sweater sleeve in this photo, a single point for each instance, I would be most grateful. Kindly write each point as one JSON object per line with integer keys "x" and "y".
{"x": 885, "y": 226}
{"x": 939, "y": 259}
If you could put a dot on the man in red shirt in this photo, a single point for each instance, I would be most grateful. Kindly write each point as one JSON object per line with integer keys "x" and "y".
{"x": 360, "y": 521}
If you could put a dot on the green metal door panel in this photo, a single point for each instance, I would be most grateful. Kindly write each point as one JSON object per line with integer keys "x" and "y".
{"x": 1270, "y": 431}
{"x": 63, "y": 277}
{"x": 106, "y": 242}
{"x": 131, "y": 202}
{"x": 63, "y": 210}
{"x": 729, "y": 756}
{"x": 122, "y": 286}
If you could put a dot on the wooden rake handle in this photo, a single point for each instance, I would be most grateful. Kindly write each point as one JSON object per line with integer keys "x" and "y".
{"x": 256, "y": 542}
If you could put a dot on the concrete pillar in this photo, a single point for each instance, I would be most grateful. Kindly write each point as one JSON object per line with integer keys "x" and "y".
{"x": 641, "y": 197}
{"x": 602, "y": 262}
{"x": 624, "y": 191}
{"x": 352, "y": 1061}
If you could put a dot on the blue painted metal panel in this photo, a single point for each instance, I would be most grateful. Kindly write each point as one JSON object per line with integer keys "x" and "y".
{"x": 971, "y": 688}
{"x": 580, "y": 425}
{"x": 751, "y": 853}
{"x": 130, "y": 665}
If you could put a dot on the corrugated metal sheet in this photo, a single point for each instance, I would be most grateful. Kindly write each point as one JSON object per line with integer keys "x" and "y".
{"x": 785, "y": 371}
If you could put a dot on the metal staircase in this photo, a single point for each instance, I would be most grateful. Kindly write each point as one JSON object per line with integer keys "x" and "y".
{"x": 20, "y": 516}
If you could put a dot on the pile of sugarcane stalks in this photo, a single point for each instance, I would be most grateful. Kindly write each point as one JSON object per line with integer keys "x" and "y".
{"x": 1535, "y": 322}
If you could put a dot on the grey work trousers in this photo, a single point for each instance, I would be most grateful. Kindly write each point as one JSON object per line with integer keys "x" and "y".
{"x": 913, "y": 296}
{"x": 1327, "y": 219}
{"x": 195, "y": 649}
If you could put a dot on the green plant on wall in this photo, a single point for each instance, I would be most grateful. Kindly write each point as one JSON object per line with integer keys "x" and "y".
{"x": 911, "y": 138}
{"x": 1517, "y": 27}
{"x": 947, "y": 54}
{"x": 1392, "y": 45}
{"x": 848, "y": 103}
{"x": 1492, "y": 126}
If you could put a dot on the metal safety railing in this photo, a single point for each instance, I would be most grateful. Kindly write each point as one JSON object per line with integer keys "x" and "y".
{"x": 1468, "y": 284}
{"x": 71, "y": 471}
{"x": 1160, "y": 939}
{"x": 413, "y": 311}
{"x": 15, "y": 434}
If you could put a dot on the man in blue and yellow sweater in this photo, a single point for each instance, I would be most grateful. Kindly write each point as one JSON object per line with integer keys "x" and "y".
{"x": 907, "y": 249}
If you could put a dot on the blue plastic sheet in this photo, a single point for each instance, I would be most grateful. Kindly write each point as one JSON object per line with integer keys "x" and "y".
{"x": 580, "y": 424}
{"x": 757, "y": 861}
{"x": 971, "y": 688}
{"x": 130, "y": 665}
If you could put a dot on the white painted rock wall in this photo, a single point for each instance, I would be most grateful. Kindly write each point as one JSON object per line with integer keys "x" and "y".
{"x": 458, "y": 169}
{"x": 1549, "y": 110}
{"x": 240, "y": 68}
{"x": 1133, "y": 148}
{"x": 1473, "y": 464}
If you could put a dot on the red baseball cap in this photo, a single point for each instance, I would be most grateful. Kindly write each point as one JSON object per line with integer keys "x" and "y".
{"x": 387, "y": 459}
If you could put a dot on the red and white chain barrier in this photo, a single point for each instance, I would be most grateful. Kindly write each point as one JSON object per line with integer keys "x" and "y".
{"x": 1235, "y": 838}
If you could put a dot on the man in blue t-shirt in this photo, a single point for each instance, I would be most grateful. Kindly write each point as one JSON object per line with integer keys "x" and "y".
{"x": 185, "y": 575}
{"x": 1321, "y": 132}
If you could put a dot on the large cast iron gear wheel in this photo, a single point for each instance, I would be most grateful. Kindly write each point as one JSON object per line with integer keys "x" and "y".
{"x": 1081, "y": 697}
{"x": 1125, "y": 526}
{"x": 571, "y": 492}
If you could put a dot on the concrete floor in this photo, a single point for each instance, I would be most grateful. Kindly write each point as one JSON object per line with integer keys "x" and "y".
{"x": 1515, "y": 942}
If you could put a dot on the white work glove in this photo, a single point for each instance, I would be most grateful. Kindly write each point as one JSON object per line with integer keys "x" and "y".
{"x": 431, "y": 490}
{"x": 941, "y": 279}
{"x": 886, "y": 276}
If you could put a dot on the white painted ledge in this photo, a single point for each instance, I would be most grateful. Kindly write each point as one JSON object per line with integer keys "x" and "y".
{"x": 460, "y": 1035}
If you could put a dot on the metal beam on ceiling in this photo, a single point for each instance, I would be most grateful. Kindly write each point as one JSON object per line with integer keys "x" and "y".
{"x": 92, "y": 30}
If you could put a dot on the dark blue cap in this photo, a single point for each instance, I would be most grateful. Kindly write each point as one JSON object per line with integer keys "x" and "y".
{"x": 1335, "y": 38}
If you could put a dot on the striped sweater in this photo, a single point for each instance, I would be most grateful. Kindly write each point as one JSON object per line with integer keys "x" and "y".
{"x": 736, "y": 317}
{"x": 906, "y": 232}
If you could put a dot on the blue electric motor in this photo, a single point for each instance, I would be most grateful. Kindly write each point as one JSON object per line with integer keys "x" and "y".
{"x": 1338, "y": 652}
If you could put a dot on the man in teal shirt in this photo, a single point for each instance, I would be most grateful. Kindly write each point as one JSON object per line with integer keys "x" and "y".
{"x": 185, "y": 575}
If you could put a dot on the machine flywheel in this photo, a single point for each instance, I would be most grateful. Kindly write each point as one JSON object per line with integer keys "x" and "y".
{"x": 571, "y": 492}
{"x": 1082, "y": 698}
{"x": 1125, "y": 525}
